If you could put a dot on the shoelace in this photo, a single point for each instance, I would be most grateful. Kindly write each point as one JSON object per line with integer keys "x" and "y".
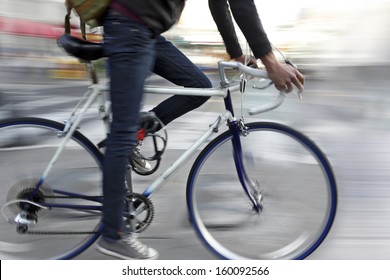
{"x": 136, "y": 245}
{"x": 137, "y": 150}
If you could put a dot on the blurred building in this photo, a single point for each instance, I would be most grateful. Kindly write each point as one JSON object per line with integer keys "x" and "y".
{"x": 29, "y": 29}
{"x": 313, "y": 33}
{"x": 30, "y": 25}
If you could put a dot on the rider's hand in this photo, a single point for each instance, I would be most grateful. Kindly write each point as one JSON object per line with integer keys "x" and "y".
{"x": 283, "y": 75}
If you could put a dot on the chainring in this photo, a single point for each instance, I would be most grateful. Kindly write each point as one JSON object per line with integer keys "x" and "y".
{"x": 139, "y": 213}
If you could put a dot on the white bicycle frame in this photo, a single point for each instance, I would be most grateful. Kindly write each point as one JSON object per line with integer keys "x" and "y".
{"x": 99, "y": 91}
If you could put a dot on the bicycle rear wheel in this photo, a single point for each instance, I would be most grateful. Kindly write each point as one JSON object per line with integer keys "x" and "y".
{"x": 294, "y": 184}
{"x": 70, "y": 223}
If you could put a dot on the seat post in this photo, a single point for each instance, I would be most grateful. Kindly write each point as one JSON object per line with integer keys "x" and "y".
{"x": 92, "y": 72}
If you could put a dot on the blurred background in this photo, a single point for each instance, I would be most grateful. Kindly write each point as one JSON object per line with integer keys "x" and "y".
{"x": 316, "y": 34}
{"x": 343, "y": 48}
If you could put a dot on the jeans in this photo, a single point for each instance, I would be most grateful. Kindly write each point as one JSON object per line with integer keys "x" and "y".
{"x": 130, "y": 48}
{"x": 133, "y": 53}
{"x": 174, "y": 66}
{"x": 171, "y": 64}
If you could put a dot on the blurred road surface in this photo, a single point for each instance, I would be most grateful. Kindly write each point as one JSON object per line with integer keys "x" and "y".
{"x": 347, "y": 114}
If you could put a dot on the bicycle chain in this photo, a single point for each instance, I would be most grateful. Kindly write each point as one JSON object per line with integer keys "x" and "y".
{"x": 69, "y": 197}
{"x": 142, "y": 227}
{"x": 38, "y": 232}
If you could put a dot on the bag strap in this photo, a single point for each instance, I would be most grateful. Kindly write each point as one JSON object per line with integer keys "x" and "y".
{"x": 67, "y": 21}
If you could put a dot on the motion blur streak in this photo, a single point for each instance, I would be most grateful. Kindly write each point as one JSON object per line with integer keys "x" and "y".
{"x": 341, "y": 46}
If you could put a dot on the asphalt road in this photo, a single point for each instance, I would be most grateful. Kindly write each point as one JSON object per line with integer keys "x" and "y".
{"x": 348, "y": 118}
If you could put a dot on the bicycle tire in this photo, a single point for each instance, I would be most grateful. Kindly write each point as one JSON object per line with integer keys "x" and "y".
{"x": 26, "y": 147}
{"x": 298, "y": 188}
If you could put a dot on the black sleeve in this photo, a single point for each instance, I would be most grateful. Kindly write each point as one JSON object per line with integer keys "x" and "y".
{"x": 246, "y": 16}
{"x": 221, "y": 14}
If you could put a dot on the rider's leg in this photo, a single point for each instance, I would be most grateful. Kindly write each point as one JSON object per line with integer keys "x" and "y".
{"x": 130, "y": 48}
{"x": 174, "y": 66}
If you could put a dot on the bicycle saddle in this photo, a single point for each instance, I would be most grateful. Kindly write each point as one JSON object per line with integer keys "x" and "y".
{"x": 79, "y": 48}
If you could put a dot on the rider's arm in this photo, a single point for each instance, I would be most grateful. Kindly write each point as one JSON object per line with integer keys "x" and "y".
{"x": 246, "y": 16}
{"x": 221, "y": 14}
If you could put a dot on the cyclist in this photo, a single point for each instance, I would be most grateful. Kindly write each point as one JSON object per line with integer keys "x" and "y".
{"x": 175, "y": 67}
{"x": 130, "y": 29}
{"x": 133, "y": 44}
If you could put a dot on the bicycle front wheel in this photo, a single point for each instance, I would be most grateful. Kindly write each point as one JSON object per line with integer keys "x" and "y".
{"x": 61, "y": 218}
{"x": 292, "y": 181}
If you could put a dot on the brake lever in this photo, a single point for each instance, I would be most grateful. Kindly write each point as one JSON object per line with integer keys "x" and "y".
{"x": 298, "y": 92}
{"x": 287, "y": 61}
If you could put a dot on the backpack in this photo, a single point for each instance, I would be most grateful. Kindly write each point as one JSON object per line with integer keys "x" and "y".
{"x": 91, "y": 12}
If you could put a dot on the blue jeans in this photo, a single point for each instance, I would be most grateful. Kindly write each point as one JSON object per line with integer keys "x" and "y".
{"x": 130, "y": 48}
{"x": 171, "y": 64}
{"x": 133, "y": 53}
{"x": 174, "y": 66}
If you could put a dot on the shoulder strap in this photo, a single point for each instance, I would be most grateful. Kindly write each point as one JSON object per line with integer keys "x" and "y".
{"x": 69, "y": 8}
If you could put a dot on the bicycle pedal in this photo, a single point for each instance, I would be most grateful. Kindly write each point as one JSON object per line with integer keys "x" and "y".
{"x": 102, "y": 144}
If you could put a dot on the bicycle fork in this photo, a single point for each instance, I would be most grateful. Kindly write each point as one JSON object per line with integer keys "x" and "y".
{"x": 238, "y": 128}
{"x": 250, "y": 187}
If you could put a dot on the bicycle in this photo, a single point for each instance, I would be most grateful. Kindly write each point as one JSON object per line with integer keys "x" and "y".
{"x": 259, "y": 190}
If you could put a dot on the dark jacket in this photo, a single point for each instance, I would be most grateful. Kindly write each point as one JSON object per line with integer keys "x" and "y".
{"x": 246, "y": 16}
{"x": 159, "y": 15}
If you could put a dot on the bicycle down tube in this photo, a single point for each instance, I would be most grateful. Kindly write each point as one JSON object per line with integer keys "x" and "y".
{"x": 158, "y": 183}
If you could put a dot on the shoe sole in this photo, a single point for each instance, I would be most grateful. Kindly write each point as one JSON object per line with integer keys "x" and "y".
{"x": 120, "y": 256}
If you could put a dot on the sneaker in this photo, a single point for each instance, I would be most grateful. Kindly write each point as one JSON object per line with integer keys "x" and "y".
{"x": 138, "y": 161}
{"x": 127, "y": 248}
